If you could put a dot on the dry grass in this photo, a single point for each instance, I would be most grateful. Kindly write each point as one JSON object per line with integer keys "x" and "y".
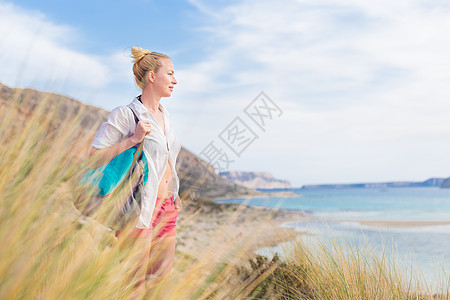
{"x": 343, "y": 271}
{"x": 50, "y": 251}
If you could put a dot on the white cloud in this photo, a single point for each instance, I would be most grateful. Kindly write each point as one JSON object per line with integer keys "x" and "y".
{"x": 37, "y": 52}
{"x": 366, "y": 84}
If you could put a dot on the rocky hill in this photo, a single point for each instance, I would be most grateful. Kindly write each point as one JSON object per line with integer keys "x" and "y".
{"x": 446, "y": 183}
{"x": 197, "y": 177}
{"x": 25, "y": 101}
{"x": 256, "y": 180}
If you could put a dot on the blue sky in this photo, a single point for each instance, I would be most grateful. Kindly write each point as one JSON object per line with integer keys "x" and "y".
{"x": 364, "y": 86}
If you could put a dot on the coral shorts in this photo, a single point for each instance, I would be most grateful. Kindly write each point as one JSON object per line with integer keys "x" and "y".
{"x": 164, "y": 221}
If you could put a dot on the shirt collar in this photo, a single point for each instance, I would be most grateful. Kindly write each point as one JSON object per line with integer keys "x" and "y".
{"x": 139, "y": 108}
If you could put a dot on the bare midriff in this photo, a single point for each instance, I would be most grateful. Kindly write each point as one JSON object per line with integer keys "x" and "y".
{"x": 165, "y": 188}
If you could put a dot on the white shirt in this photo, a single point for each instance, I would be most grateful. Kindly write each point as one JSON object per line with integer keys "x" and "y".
{"x": 121, "y": 125}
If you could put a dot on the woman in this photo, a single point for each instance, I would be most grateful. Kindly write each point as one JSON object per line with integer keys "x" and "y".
{"x": 160, "y": 203}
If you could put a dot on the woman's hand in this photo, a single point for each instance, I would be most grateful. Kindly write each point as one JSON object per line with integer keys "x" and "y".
{"x": 178, "y": 204}
{"x": 142, "y": 129}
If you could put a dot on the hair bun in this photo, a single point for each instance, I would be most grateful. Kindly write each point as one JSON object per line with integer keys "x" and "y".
{"x": 143, "y": 64}
{"x": 137, "y": 53}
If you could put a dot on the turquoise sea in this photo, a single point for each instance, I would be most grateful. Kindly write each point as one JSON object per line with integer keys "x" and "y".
{"x": 424, "y": 249}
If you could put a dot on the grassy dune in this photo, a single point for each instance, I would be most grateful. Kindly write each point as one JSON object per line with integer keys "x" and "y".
{"x": 49, "y": 251}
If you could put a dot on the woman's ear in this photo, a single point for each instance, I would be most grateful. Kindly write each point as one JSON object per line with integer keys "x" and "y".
{"x": 151, "y": 77}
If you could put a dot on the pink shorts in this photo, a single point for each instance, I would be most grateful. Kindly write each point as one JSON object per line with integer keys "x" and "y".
{"x": 164, "y": 221}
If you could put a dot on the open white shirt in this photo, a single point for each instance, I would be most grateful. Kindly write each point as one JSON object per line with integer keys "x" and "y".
{"x": 121, "y": 125}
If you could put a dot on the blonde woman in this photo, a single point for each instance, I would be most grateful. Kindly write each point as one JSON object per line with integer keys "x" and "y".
{"x": 160, "y": 203}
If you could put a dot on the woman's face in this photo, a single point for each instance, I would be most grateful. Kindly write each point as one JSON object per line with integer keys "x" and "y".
{"x": 165, "y": 78}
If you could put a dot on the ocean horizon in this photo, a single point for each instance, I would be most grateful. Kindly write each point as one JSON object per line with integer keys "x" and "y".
{"x": 339, "y": 215}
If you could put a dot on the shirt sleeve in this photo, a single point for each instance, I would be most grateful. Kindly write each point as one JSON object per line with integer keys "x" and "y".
{"x": 115, "y": 129}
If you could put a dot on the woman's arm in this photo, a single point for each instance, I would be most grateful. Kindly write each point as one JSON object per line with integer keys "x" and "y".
{"x": 178, "y": 204}
{"x": 100, "y": 157}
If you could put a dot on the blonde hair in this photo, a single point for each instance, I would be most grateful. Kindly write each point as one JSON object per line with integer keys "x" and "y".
{"x": 145, "y": 61}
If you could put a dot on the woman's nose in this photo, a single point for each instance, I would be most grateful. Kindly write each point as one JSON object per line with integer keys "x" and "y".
{"x": 174, "y": 81}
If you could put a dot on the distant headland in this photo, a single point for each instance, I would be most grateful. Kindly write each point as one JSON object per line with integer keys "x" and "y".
{"x": 432, "y": 182}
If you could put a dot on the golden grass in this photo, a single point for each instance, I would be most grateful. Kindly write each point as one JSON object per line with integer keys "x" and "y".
{"x": 343, "y": 271}
{"x": 49, "y": 251}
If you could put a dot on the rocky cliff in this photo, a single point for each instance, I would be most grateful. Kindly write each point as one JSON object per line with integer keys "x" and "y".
{"x": 256, "y": 180}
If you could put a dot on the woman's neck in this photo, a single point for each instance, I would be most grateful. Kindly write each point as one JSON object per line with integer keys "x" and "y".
{"x": 150, "y": 100}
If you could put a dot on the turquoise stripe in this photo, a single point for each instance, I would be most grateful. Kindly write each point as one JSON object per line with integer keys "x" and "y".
{"x": 106, "y": 178}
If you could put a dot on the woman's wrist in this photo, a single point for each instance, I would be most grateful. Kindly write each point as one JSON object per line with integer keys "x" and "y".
{"x": 134, "y": 140}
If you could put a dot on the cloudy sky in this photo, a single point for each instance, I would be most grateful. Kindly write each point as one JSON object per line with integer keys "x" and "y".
{"x": 363, "y": 86}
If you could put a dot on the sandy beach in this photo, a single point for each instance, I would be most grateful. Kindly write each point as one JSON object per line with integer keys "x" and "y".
{"x": 257, "y": 227}
{"x": 383, "y": 223}
{"x": 205, "y": 221}
{"x": 398, "y": 223}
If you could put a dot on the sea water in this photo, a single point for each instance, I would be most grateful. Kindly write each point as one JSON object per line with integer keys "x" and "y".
{"x": 422, "y": 249}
